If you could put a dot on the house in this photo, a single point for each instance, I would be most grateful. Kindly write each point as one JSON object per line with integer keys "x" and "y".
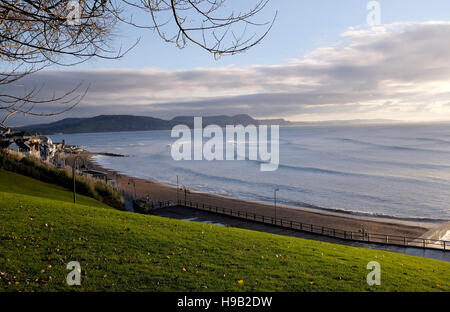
{"x": 28, "y": 146}
{"x": 38, "y": 146}
{"x": 5, "y": 139}
{"x": 47, "y": 148}
{"x": 35, "y": 146}
{"x": 14, "y": 147}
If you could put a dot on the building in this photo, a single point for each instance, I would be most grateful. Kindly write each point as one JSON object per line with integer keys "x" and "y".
{"x": 33, "y": 146}
{"x": 47, "y": 148}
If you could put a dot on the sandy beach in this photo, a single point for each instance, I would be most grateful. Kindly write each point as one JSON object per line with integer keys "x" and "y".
{"x": 163, "y": 192}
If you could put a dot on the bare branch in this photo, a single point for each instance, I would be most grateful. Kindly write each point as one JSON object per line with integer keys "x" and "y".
{"x": 36, "y": 34}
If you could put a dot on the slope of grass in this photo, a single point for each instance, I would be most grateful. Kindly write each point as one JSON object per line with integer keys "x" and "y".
{"x": 45, "y": 172}
{"x": 120, "y": 251}
{"x": 11, "y": 182}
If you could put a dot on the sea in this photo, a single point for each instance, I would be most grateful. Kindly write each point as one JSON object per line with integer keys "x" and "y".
{"x": 396, "y": 170}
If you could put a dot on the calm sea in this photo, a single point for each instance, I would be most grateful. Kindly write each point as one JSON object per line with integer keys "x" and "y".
{"x": 392, "y": 170}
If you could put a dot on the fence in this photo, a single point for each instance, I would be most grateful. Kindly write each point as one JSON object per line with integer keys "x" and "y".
{"x": 146, "y": 206}
{"x": 161, "y": 204}
{"x": 324, "y": 231}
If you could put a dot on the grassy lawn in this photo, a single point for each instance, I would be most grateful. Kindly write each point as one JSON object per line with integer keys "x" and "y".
{"x": 120, "y": 251}
{"x": 11, "y": 182}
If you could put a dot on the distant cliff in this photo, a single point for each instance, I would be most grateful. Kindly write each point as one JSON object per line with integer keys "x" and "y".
{"x": 121, "y": 123}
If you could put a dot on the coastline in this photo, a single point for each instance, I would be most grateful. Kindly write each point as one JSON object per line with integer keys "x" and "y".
{"x": 163, "y": 192}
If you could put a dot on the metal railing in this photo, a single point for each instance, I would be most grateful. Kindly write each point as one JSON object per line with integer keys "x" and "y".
{"x": 322, "y": 230}
{"x": 146, "y": 206}
{"x": 161, "y": 204}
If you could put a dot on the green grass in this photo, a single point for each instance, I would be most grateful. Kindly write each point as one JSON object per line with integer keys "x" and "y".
{"x": 11, "y": 182}
{"x": 120, "y": 251}
{"x": 45, "y": 172}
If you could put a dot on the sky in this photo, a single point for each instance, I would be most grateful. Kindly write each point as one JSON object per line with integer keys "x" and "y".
{"x": 320, "y": 61}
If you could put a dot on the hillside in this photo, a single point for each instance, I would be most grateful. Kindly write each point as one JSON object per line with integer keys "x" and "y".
{"x": 121, "y": 251}
{"x": 11, "y": 182}
{"x": 120, "y": 123}
{"x": 104, "y": 123}
{"x": 220, "y": 121}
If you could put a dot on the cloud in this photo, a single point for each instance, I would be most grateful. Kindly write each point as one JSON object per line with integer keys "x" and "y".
{"x": 398, "y": 71}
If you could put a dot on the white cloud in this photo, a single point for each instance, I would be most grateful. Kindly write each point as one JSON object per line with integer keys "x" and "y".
{"x": 398, "y": 71}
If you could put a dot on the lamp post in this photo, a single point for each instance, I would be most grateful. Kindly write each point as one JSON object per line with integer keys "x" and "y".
{"x": 275, "y": 202}
{"x": 74, "y": 179}
{"x": 177, "y": 190}
{"x": 74, "y": 184}
{"x": 186, "y": 192}
{"x": 134, "y": 186}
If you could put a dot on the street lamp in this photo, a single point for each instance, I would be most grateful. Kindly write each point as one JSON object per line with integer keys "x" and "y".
{"x": 74, "y": 179}
{"x": 134, "y": 185}
{"x": 186, "y": 192}
{"x": 177, "y": 190}
{"x": 275, "y": 202}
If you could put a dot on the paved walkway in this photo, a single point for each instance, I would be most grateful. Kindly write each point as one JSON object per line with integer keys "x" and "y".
{"x": 190, "y": 214}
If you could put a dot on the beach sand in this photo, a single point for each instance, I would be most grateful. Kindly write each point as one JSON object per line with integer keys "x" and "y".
{"x": 162, "y": 192}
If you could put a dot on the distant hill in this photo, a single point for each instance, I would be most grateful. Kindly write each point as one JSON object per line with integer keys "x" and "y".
{"x": 103, "y": 123}
{"x": 121, "y": 123}
{"x": 279, "y": 122}
{"x": 221, "y": 120}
